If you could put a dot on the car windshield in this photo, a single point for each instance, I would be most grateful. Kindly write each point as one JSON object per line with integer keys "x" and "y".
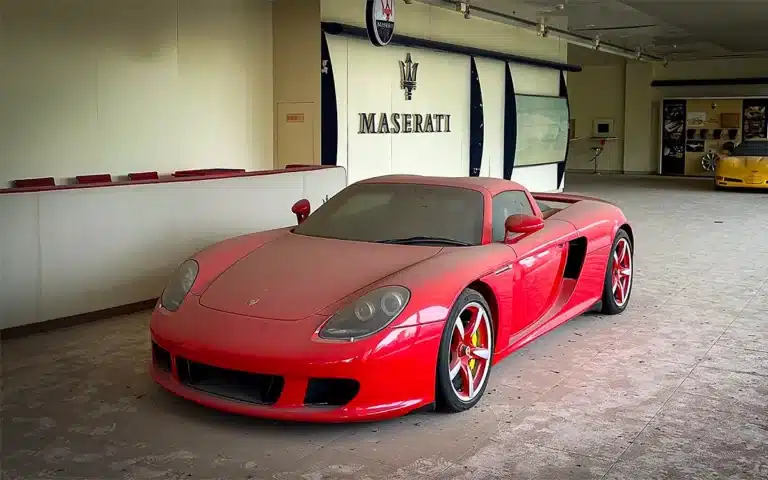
{"x": 751, "y": 148}
{"x": 400, "y": 213}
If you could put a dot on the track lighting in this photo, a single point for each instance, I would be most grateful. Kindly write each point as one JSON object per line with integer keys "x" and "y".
{"x": 544, "y": 31}
{"x": 467, "y": 13}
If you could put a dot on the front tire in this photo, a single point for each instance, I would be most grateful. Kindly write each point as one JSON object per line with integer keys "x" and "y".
{"x": 466, "y": 354}
{"x": 619, "y": 275}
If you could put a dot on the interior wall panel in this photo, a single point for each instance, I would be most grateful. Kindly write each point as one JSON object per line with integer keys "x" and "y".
{"x": 368, "y": 82}
{"x": 147, "y": 85}
{"x": 491, "y": 73}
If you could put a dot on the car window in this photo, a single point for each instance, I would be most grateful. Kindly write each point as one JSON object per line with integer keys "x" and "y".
{"x": 751, "y": 148}
{"x": 543, "y": 206}
{"x": 505, "y": 204}
{"x": 375, "y": 212}
{"x": 364, "y": 202}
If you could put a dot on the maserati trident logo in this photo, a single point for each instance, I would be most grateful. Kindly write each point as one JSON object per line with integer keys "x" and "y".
{"x": 380, "y": 21}
{"x": 404, "y": 121}
{"x": 408, "y": 72}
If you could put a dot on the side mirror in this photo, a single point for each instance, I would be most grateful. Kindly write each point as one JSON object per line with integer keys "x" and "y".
{"x": 525, "y": 224}
{"x": 301, "y": 209}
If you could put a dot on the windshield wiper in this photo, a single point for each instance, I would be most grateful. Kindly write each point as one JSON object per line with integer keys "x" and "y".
{"x": 412, "y": 240}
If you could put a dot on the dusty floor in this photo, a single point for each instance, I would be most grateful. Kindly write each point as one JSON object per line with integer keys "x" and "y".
{"x": 676, "y": 387}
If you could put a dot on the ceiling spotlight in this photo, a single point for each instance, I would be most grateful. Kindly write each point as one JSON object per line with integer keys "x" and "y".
{"x": 543, "y": 30}
{"x": 666, "y": 62}
{"x": 639, "y": 53}
{"x": 460, "y": 6}
{"x": 597, "y": 42}
{"x": 467, "y": 13}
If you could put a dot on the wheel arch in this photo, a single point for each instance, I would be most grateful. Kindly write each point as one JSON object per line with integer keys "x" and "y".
{"x": 490, "y": 296}
{"x": 628, "y": 229}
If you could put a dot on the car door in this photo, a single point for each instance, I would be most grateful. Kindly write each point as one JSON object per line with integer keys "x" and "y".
{"x": 540, "y": 262}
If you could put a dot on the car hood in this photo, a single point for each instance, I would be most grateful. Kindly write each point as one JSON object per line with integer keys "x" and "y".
{"x": 296, "y": 276}
{"x": 760, "y": 164}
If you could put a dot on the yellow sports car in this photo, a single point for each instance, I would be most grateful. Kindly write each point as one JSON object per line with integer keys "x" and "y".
{"x": 745, "y": 167}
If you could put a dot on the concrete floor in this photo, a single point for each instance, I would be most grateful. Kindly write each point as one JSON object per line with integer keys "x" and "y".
{"x": 676, "y": 387}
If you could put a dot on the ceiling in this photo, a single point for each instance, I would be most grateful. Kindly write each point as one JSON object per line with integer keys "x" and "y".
{"x": 670, "y": 29}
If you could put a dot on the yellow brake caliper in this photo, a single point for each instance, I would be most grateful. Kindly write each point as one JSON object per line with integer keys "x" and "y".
{"x": 474, "y": 344}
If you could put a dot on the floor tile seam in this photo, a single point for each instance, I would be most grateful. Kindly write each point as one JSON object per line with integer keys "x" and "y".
{"x": 524, "y": 409}
{"x": 743, "y": 348}
{"x": 650, "y": 420}
{"x": 711, "y": 398}
{"x": 745, "y": 372}
{"x": 632, "y": 328}
{"x": 720, "y": 369}
{"x": 530, "y": 444}
{"x": 655, "y": 415}
{"x": 732, "y": 321}
{"x": 356, "y": 453}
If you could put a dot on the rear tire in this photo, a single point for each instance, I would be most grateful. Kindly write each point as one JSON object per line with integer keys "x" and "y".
{"x": 466, "y": 354}
{"x": 619, "y": 275}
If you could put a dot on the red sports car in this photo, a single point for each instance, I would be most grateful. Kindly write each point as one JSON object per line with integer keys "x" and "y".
{"x": 400, "y": 292}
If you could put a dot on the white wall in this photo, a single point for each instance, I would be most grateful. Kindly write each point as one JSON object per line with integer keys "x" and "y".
{"x": 530, "y": 80}
{"x": 622, "y": 89}
{"x": 77, "y": 250}
{"x": 296, "y": 50}
{"x": 597, "y": 92}
{"x": 492, "y": 83}
{"x": 640, "y": 119}
{"x": 118, "y": 87}
{"x": 368, "y": 81}
{"x": 446, "y": 25}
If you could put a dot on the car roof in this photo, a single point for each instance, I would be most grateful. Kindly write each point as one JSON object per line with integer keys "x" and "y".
{"x": 489, "y": 184}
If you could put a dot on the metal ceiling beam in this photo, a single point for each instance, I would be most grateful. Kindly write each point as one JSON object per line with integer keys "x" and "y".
{"x": 565, "y": 35}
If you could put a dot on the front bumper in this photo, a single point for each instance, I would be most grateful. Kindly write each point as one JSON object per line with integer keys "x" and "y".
{"x": 733, "y": 180}
{"x": 274, "y": 369}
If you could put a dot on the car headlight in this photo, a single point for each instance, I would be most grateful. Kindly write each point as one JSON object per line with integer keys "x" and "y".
{"x": 367, "y": 315}
{"x": 179, "y": 286}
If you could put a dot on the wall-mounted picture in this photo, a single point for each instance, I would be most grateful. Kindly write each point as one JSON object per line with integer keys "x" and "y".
{"x": 673, "y": 151}
{"x": 696, "y": 119}
{"x": 673, "y": 137}
{"x": 755, "y": 121}
{"x": 694, "y": 146}
{"x": 674, "y": 119}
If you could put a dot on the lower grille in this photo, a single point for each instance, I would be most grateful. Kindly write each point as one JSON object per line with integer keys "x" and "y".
{"x": 331, "y": 392}
{"x": 161, "y": 358}
{"x": 231, "y": 384}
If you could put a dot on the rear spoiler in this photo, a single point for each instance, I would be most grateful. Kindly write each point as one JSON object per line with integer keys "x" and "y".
{"x": 564, "y": 197}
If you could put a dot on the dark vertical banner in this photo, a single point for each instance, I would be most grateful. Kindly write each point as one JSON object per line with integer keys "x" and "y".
{"x": 561, "y": 165}
{"x": 510, "y": 123}
{"x": 755, "y": 118}
{"x": 476, "y": 122}
{"x": 673, "y": 137}
{"x": 329, "y": 115}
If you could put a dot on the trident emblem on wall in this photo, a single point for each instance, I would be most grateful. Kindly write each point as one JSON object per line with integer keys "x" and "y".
{"x": 408, "y": 71}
